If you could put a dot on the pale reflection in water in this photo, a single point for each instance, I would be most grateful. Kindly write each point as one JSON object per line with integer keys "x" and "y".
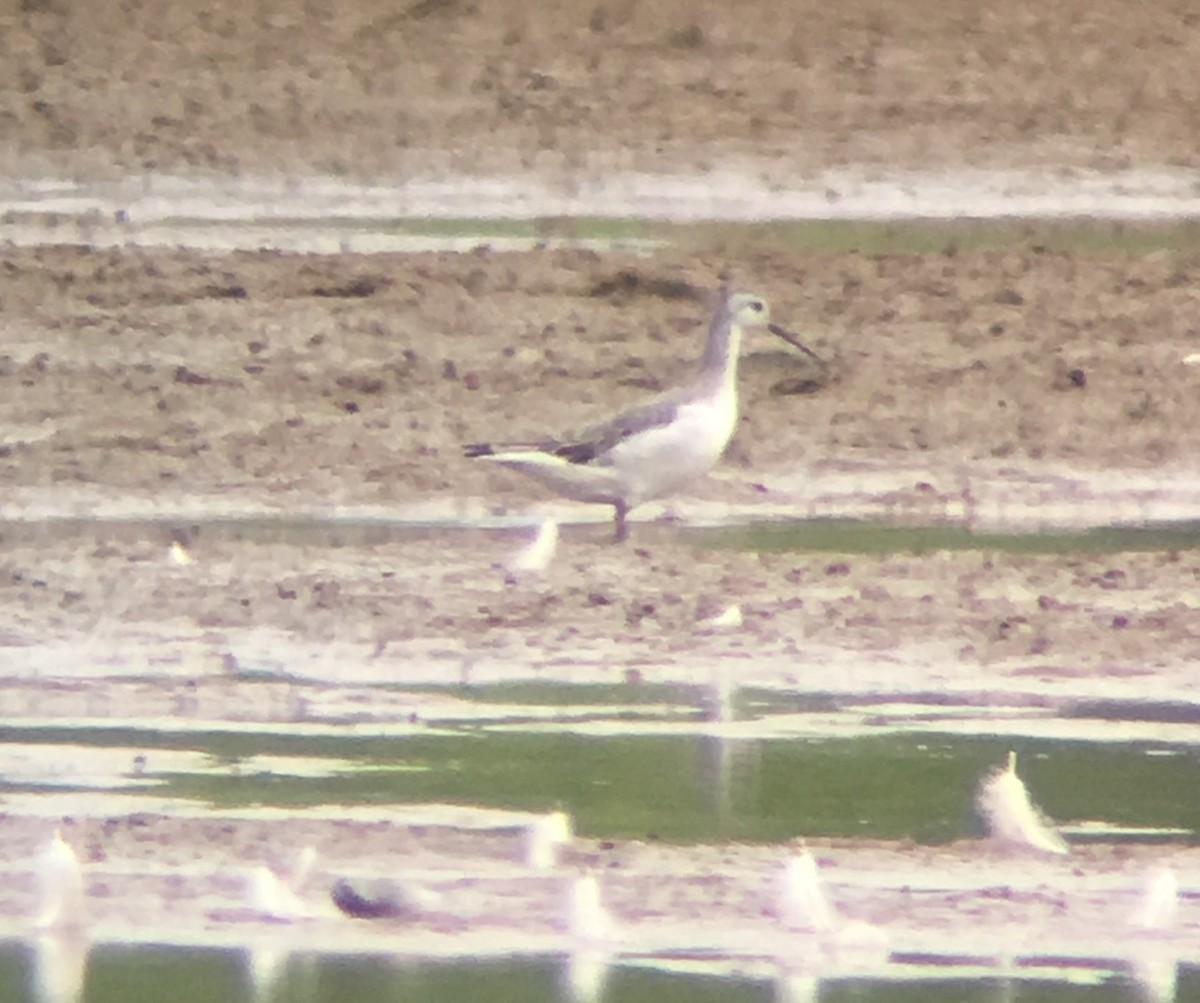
{"x": 58, "y": 965}
{"x": 1154, "y": 975}
{"x": 586, "y": 973}
{"x": 795, "y": 988}
{"x": 266, "y": 966}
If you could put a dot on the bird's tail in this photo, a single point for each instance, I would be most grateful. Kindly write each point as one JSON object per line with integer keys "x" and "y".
{"x": 474, "y": 449}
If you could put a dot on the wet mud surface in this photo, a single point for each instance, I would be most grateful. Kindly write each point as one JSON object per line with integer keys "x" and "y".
{"x": 577, "y": 87}
{"x": 973, "y": 903}
{"x": 353, "y": 379}
{"x": 964, "y": 384}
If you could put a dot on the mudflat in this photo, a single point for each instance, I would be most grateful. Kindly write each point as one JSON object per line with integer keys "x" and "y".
{"x": 378, "y": 90}
{"x": 137, "y": 380}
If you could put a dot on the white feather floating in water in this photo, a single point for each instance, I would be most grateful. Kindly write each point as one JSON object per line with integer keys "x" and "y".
{"x": 800, "y": 902}
{"x": 543, "y": 839}
{"x": 59, "y": 882}
{"x": 1010, "y": 815}
{"x": 1160, "y": 901}
{"x": 536, "y": 556}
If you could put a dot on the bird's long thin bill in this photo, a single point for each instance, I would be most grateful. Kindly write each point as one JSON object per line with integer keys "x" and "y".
{"x": 792, "y": 340}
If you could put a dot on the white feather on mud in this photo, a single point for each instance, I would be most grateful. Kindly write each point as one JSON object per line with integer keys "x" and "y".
{"x": 800, "y": 902}
{"x": 544, "y": 838}
{"x": 60, "y": 891}
{"x": 275, "y": 896}
{"x": 179, "y": 555}
{"x": 1011, "y": 816}
{"x": 535, "y": 556}
{"x": 802, "y": 906}
{"x": 1159, "y": 902}
{"x": 730, "y": 618}
{"x": 593, "y": 935}
{"x": 587, "y": 921}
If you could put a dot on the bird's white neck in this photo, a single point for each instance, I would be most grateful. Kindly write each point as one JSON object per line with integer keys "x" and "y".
{"x": 718, "y": 367}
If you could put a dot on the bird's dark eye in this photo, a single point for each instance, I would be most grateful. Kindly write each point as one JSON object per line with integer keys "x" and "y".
{"x": 756, "y": 307}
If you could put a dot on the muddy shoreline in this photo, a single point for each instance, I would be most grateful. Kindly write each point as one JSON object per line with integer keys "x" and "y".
{"x": 144, "y": 873}
{"x": 1026, "y": 385}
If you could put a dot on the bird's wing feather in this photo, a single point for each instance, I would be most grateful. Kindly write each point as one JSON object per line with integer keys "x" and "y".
{"x": 593, "y": 442}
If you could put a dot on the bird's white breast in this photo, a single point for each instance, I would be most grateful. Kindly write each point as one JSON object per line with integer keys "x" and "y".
{"x": 657, "y": 460}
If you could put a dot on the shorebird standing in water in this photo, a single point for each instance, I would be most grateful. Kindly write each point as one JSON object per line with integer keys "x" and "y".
{"x": 652, "y": 448}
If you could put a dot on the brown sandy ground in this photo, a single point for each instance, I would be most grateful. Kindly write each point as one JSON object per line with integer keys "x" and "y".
{"x": 367, "y": 88}
{"x": 984, "y": 629}
{"x": 353, "y": 379}
{"x": 303, "y": 380}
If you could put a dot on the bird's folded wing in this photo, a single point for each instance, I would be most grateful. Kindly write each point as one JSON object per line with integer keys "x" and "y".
{"x": 593, "y": 442}
{"x": 599, "y": 439}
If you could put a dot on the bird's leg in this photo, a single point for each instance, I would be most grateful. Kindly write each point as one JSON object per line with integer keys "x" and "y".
{"x": 622, "y": 528}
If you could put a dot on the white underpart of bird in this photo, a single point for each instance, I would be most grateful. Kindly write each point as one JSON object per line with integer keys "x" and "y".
{"x": 1005, "y": 806}
{"x": 58, "y": 880}
{"x": 588, "y": 922}
{"x": 1159, "y": 903}
{"x": 536, "y": 555}
{"x": 544, "y": 838}
{"x": 652, "y": 449}
{"x": 800, "y": 902}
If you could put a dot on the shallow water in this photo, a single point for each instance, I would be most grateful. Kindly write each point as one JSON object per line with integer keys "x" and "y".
{"x": 861, "y": 537}
{"x": 117, "y": 974}
{"x": 817, "y": 535}
{"x": 641, "y": 762}
{"x": 840, "y": 210}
